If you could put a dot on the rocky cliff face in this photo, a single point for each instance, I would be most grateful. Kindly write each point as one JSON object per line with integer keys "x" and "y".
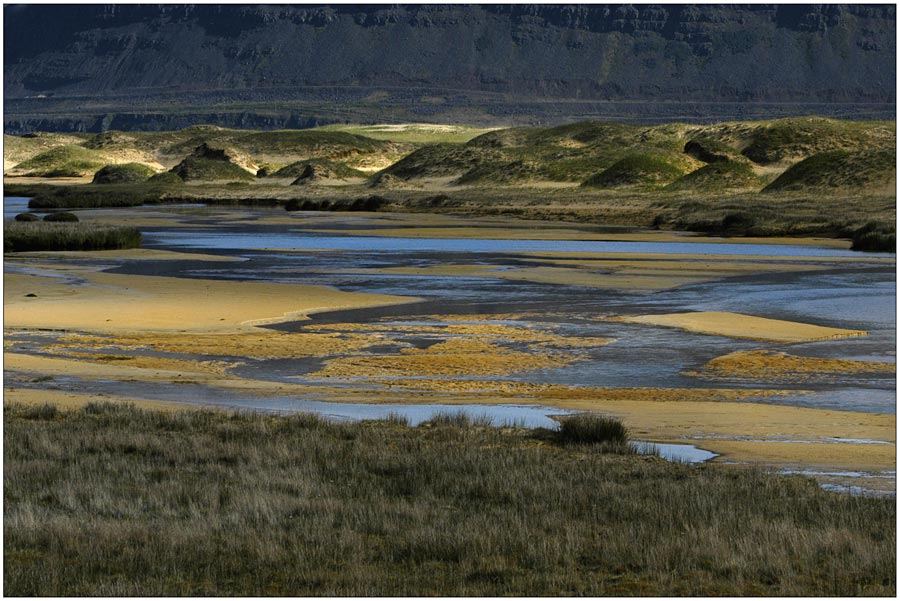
{"x": 698, "y": 53}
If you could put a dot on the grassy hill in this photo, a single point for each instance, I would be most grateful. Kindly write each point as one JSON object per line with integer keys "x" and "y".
{"x": 642, "y": 155}
{"x": 840, "y": 169}
{"x": 641, "y": 169}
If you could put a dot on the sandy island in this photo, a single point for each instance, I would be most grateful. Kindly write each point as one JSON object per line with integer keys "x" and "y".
{"x": 106, "y": 302}
{"x": 736, "y": 325}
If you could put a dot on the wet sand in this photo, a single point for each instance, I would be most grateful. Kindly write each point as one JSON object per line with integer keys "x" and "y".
{"x": 105, "y": 302}
{"x": 642, "y": 272}
{"x": 736, "y": 325}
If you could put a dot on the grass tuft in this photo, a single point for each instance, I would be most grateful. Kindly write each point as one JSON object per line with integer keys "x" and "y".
{"x": 588, "y": 428}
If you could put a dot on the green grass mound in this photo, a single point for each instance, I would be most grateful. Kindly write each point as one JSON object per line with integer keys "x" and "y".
{"x": 64, "y": 217}
{"x": 63, "y": 161}
{"x": 43, "y": 235}
{"x": 839, "y": 169}
{"x": 318, "y": 168}
{"x": 206, "y": 503}
{"x": 306, "y": 141}
{"x": 195, "y": 168}
{"x": 499, "y": 172}
{"x": 440, "y": 160}
{"x": 805, "y": 136}
{"x": 636, "y": 170}
{"x": 27, "y": 217}
{"x": 166, "y": 178}
{"x": 728, "y": 175}
{"x": 128, "y": 173}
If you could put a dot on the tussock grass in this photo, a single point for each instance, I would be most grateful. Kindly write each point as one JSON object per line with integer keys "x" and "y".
{"x": 460, "y": 419}
{"x": 42, "y": 235}
{"x": 588, "y": 428}
{"x": 111, "y": 500}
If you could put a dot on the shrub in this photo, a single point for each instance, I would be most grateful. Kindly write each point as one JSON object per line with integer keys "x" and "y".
{"x": 588, "y": 428}
{"x": 27, "y": 217}
{"x": 875, "y": 237}
{"x": 166, "y": 178}
{"x": 64, "y": 217}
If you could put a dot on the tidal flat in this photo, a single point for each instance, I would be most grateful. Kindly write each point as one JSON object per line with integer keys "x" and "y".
{"x": 258, "y": 309}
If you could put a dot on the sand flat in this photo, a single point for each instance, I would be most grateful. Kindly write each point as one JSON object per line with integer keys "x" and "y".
{"x": 737, "y": 325}
{"x": 115, "y": 302}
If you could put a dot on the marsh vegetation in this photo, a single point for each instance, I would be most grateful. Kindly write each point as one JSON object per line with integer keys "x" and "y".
{"x": 21, "y": 236}
{"x": 113, "y": 500}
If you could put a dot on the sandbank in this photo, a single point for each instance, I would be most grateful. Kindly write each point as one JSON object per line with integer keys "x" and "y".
{"x": 114, "y": 302}
{"x": 736, "y": 325}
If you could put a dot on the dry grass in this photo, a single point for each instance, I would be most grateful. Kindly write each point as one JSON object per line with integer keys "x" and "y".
{"x": 115, "y": 501}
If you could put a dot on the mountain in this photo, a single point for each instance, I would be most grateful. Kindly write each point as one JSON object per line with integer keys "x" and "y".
{"x": 98, "y": 67}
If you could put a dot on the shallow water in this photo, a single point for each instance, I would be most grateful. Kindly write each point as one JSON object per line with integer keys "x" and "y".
{"x": 853, "y": 296}
{"x": 386, "y": 244}
{"x": 850, "y": 295}
{"x": 13, "y": 205}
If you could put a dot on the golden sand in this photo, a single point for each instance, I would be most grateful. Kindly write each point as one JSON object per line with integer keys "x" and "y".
{"x": 841, "y": 456}
{"x": 763, "y": 364}
{"x": 266, "y": 344}
{"x": 114, "y": 302}
{"x": 456, "y": 357}
{"x": 736, "y": 325}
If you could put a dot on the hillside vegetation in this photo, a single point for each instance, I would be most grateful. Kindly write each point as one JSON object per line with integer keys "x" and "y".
{"x": 702, "y": 178}
{"x": 205, "y": 503}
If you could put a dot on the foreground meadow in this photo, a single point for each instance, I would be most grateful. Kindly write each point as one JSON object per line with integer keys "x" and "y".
{"x": 115, "y": 500}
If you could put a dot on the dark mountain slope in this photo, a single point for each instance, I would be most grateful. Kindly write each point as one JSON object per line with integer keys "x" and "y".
{"x": 446, "y": 56}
